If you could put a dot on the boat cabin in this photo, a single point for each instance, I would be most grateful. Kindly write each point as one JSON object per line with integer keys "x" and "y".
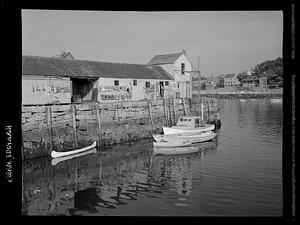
{"x": 189, "y": 121}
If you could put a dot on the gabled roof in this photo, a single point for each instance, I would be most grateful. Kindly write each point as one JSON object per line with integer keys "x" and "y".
{"x": 64, "y": 55}
{"x": 164, "y": 59}
{"x": 49, "y": 66}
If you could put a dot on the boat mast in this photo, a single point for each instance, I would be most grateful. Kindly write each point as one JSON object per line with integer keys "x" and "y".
{"x": 200, "y": 89}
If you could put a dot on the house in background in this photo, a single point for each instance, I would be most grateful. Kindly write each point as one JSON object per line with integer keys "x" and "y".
{"x": 211, "y": 83}
{"x": 250, "y": 81}
{"x": 231, "y": 80}
{"x": 64, "y": 55}
{"x": 180, "y": 68}
{"x": 62, "y": 79}
{"x": 221, "y": 79}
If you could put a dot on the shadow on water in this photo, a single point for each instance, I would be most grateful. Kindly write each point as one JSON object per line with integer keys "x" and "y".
{"x": 106, "y": 179}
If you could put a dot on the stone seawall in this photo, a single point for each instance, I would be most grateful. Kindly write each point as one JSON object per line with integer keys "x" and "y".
{"x": 58, "y": 127}
{"x": 239, "y": 95}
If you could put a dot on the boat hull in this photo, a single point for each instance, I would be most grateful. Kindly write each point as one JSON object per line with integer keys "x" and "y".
{"x": 185, "y": 138}
{"x": 55, "y": 154}
{"x": 166, "y": 144}
{"x": 174, "y": 151}
{"x": 182, "y": 129}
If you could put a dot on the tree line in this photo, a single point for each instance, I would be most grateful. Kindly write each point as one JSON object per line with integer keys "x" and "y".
{"x": 272, "y": 69}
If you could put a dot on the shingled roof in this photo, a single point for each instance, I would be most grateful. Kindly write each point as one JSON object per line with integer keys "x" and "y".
{"x": 164, "y": 59}
{"x": 49, "y": 66}
{"x": 231, "y": 75}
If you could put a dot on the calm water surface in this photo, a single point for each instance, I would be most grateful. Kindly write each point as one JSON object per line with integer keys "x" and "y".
{"x": 238, "y": 174}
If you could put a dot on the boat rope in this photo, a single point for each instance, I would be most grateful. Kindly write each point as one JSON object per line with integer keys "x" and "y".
{"x": 228, "y": 137}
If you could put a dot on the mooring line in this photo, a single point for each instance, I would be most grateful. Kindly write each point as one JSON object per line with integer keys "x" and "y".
{"x": 228, "y": 137}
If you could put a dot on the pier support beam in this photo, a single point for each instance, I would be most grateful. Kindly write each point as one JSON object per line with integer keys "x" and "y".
{"x": 49, "y": 125}
{"x": 150, "y": 116}
{"x": 74, "y": 124}
{"x": 99, "y": 124}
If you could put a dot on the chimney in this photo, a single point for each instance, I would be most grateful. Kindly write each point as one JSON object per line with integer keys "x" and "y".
{"x": 184, "y": 51}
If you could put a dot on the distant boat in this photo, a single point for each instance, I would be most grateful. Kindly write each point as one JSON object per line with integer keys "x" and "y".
{"x": 55, "y": 154}
{"x": 242, "y": 100}
{"x": 55, "y": 161}
{"x": 188, "y": 124}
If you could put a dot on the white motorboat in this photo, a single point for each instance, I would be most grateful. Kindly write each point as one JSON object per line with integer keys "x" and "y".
{"x": 188, "y": 124}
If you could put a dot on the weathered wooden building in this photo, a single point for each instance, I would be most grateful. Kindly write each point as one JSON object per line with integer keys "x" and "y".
{"x": 50, "y": 80}
{"x": 180, "y": 67}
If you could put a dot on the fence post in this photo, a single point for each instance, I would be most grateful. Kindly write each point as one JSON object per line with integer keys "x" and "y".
{"x": 74, "y": 124}
{"x": 99, "y": 123}
{"x": 49, "y": 125}
{"x": 150, "y": 116}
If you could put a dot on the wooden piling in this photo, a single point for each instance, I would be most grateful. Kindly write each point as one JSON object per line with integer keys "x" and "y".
{"x": 49, "y": 125}
{"x": 74, "y": 124}
{"x": 183, "y": 105}
{"x": 174, "y": 109}
{"x": 150, "y": 116}
{"x": 99, "y": 124}
{"x": 208, "y": 110}
{"x": 165, "y": 111}
{"x": 22, "y": 142}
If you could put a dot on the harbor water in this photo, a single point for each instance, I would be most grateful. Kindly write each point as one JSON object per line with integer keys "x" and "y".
{"x": 237, "y": 174}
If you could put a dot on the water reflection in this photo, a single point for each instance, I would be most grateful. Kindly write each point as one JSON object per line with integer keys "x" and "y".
{"x": 108, "y": 179}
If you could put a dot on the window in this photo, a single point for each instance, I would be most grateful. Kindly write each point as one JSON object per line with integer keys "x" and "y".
{"x": 182, "y": 68}
{"x": 197, "y": 122}
{"x": 147, "y": 84}
{"x": 116, "y": 82}
{"x": 134, "y": 82}
{"x": 167, "y": 83}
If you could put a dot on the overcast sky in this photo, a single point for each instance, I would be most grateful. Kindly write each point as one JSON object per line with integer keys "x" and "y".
{"x": 225, "y": 41}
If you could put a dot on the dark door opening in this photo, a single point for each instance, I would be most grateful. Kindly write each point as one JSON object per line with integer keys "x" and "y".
{"x": 82, "y": 90}
{"x": 161, "y": 89}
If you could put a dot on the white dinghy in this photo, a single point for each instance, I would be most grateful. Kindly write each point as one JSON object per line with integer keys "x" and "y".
{"x": 55, "y": 161}
{"x": 185, "y": 137}
{"x": 55, "y": 154}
